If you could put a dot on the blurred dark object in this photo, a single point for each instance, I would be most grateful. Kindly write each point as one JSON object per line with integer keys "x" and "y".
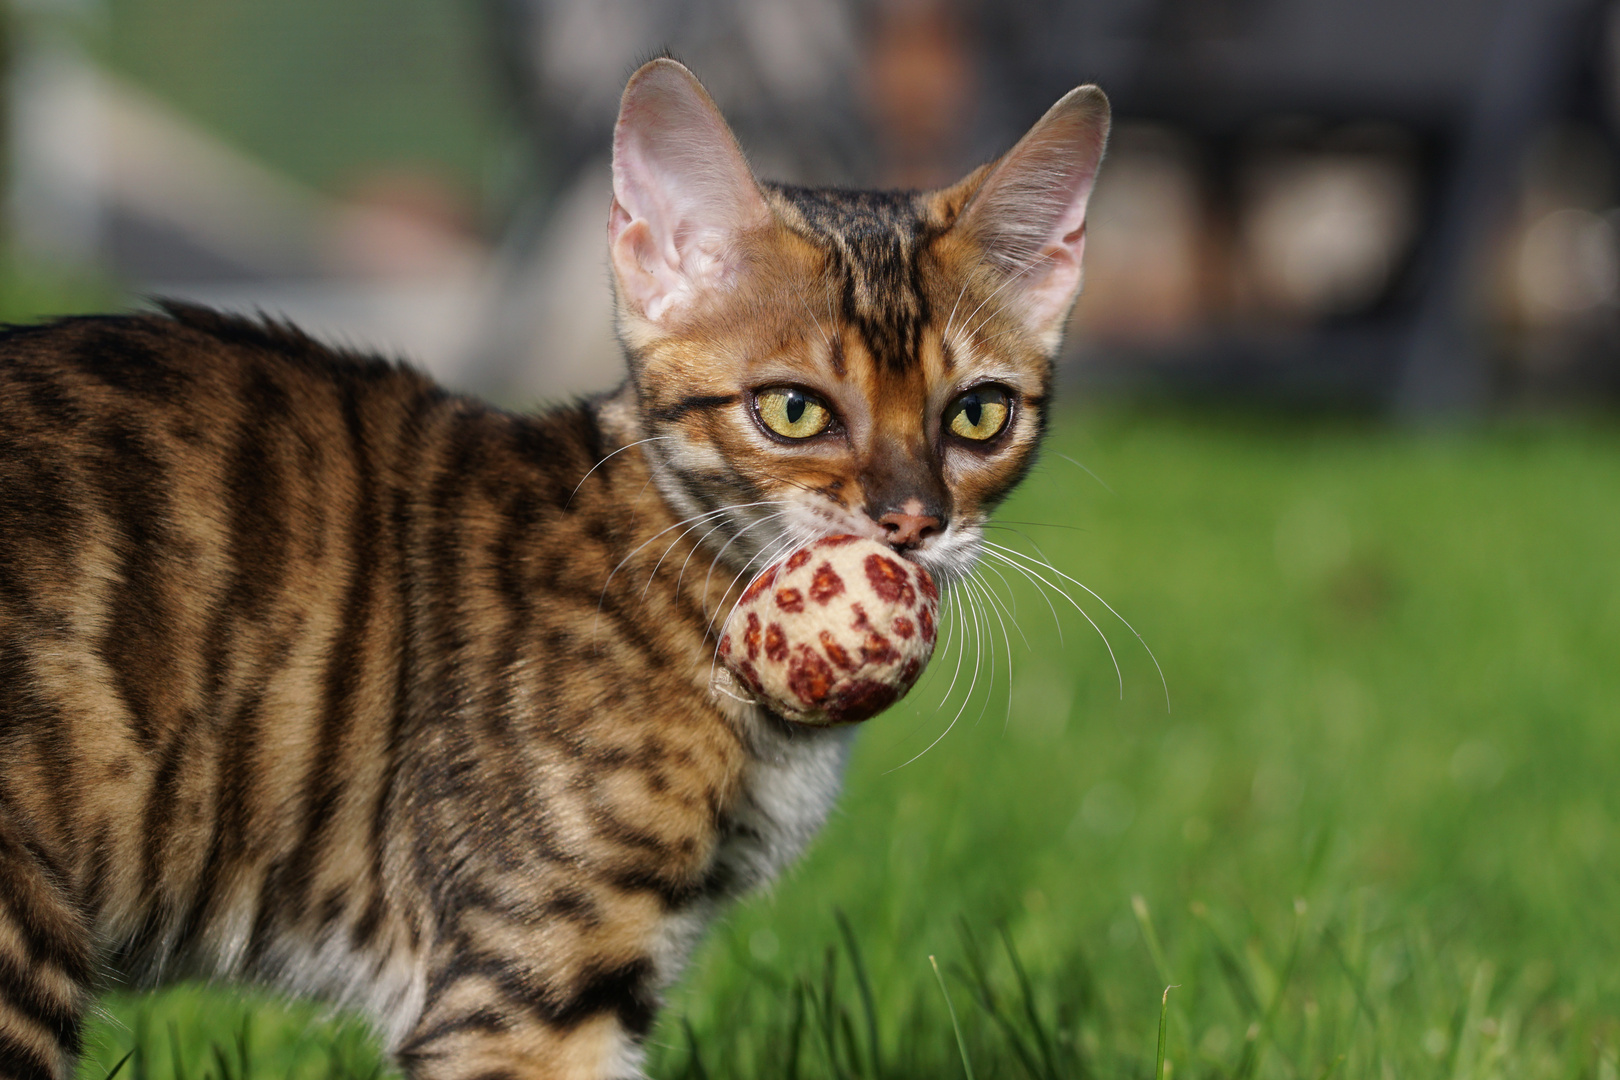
{"x": 1320, "y": 201}
{"x": 818, "y": 92}
{"x": 1442, "y": 98}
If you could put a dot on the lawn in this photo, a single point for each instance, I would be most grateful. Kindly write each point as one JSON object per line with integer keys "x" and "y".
{"x": 1372, "y": 834}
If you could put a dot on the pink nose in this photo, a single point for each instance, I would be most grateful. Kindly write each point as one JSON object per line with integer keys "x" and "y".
{"x": 908, "y": 530}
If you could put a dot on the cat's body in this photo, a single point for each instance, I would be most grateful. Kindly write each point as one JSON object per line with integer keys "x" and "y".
{"x": 315, "y": 674}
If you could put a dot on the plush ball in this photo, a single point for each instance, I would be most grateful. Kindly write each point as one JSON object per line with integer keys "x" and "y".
{"x": 835, "y": 633}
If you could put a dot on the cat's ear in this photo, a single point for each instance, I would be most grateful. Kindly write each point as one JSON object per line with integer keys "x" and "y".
{"x": 1029, "y": 213}
{"x": 682, "y": 193}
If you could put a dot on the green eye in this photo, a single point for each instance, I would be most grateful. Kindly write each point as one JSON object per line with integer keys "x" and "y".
{"x": 979, "y": 414}
{"x": 792, "y": 413}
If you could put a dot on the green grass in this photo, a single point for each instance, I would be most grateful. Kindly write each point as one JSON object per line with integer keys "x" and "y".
{"x": 1373, "y": 836}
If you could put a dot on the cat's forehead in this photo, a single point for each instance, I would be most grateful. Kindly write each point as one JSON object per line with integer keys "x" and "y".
{"x": 872, "y": 241}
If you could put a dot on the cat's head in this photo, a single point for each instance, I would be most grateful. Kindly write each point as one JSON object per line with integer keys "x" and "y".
{"x": 811, "y": 362}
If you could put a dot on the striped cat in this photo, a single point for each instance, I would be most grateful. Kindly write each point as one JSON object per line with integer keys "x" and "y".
{"x": 314, "y": 674}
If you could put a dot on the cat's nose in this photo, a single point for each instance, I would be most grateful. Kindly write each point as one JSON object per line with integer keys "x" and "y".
{"x": 907, "y": 530}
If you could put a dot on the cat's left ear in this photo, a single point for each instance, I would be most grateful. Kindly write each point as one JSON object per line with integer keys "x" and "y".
{"x": 1029, "y": 213}
{"x": 682, "y": 193}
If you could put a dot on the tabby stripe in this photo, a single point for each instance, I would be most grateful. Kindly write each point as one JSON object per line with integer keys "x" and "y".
{"x": 370, "y": 921}
{"x": 25, "y": 992}
{"x": 258, "y": 493}
{"x": 258, "y": 543}
{"x": 24, "y": 708}
{"x": 344, "y": 669}
{"x": 22, "y": 1062}
{"x": 624, "y": 990}
{"x": 235, "y": 812}
{"x": 445, "y": 622}
{"x": 49, "y": 397}
{"x": 136, "y": 646}
{"x": 162, "y": 804}
{"x": 406, "y": 449}
{"x": 118, "y": 355}
{"x": 692, "y": 403}
{"x": 46, "y": 944}
{"x": 485, "y": 1020}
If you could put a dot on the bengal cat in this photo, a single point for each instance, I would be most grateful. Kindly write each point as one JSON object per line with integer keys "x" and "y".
{"x": 315, "y": 674}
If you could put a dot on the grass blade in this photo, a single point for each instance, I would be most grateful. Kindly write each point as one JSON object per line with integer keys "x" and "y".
{"x": 868, "y": 1005}
{"x": 1027, "y": 991}
{"x": 976, "y": 978}
{"x": 1164, "y": 1028}
{"x": 694, "y": 1066}
{"x": 796, "y": 1031}
{"x": 175, "y": 1057}
{"x": 961, "y": 1043}
{"x": 226, "y": 1072}
{"x": 1150, "y": 936}
{"x": 112, "y": 1072}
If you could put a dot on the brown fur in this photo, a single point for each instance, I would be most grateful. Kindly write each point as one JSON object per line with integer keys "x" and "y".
{"x": 315, "y": 674}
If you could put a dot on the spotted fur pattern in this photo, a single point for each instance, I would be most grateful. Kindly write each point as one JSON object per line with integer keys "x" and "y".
{"x": 314, "y": 674}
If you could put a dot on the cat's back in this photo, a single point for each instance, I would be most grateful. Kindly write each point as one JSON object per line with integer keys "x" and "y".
{"x": 185, "y": 501}
{"x": 186, "y": 383}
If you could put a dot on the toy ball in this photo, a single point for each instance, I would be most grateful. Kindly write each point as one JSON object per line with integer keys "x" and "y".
{"x": 835, "y": 633}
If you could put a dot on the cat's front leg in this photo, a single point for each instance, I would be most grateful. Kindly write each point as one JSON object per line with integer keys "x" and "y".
{"x": 566, "y": 996}
{"x": 495, "y": 1042}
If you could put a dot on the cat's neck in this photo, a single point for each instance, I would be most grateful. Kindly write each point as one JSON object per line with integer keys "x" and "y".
{"x": 663, "y": 569}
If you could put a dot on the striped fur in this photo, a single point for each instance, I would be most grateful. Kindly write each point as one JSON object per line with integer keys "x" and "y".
{"x": 314, "y": 674}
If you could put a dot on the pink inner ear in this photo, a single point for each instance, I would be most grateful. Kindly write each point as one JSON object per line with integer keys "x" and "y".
{"x": 678, "y": 175}
{"x": 1030, "y": 212}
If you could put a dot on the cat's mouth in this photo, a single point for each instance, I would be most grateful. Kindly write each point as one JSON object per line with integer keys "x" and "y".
{"x": 947, "y": 554}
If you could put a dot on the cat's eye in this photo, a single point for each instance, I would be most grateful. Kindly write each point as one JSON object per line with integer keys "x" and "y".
{"x": 792, "y": 413}
{"x": 979, "y": 414}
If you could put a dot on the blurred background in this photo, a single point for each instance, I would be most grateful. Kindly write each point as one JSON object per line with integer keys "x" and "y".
{"x": 1374, "y": 833}
{"x": 1399, "y": 205}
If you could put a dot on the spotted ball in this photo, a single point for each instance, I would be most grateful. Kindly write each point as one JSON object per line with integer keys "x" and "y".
{"x": 835, "y": 633}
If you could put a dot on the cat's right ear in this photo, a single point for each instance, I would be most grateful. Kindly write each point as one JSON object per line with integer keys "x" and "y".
{"x": 682, "y": 194}
{"x": 1028, "y": 212}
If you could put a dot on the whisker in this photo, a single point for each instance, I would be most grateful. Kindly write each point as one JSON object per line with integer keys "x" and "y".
{"x": 1011, "y": 616}
{"x": 945, "y": 334}
{"x": 1083, "y": 614}
{"x": 604, "y": 461}
{"x": 966, "y": 701}
{"x": 764, "y": 556}
{"x": 1012, "y": 612}
{"x": 813, "y": 320}
{"x": 721, "y": 553}
{"x": 961, "y": 646}
{"x": 1040, "y": 588}
{"x": 1002, "y": 523}
{"x": 991, "y": 606}
{"x": 1085, "y": 470}
{"x": 601, "y": 599}
{"x": 773, "y": 516}
{"x": 696, "y": 517}
{"x": 767, "y": 555}
{"x": 1031, "y": 541}
{"x": 1162, "y": 680}
{"x": 690, "y": 555}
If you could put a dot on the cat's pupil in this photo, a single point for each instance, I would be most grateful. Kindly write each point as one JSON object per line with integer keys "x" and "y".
{"x": 795, "y": 407}
{"x": 972, "y": 409}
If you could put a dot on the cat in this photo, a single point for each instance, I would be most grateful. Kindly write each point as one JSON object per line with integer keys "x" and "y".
{"x": 315, "y": 674}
